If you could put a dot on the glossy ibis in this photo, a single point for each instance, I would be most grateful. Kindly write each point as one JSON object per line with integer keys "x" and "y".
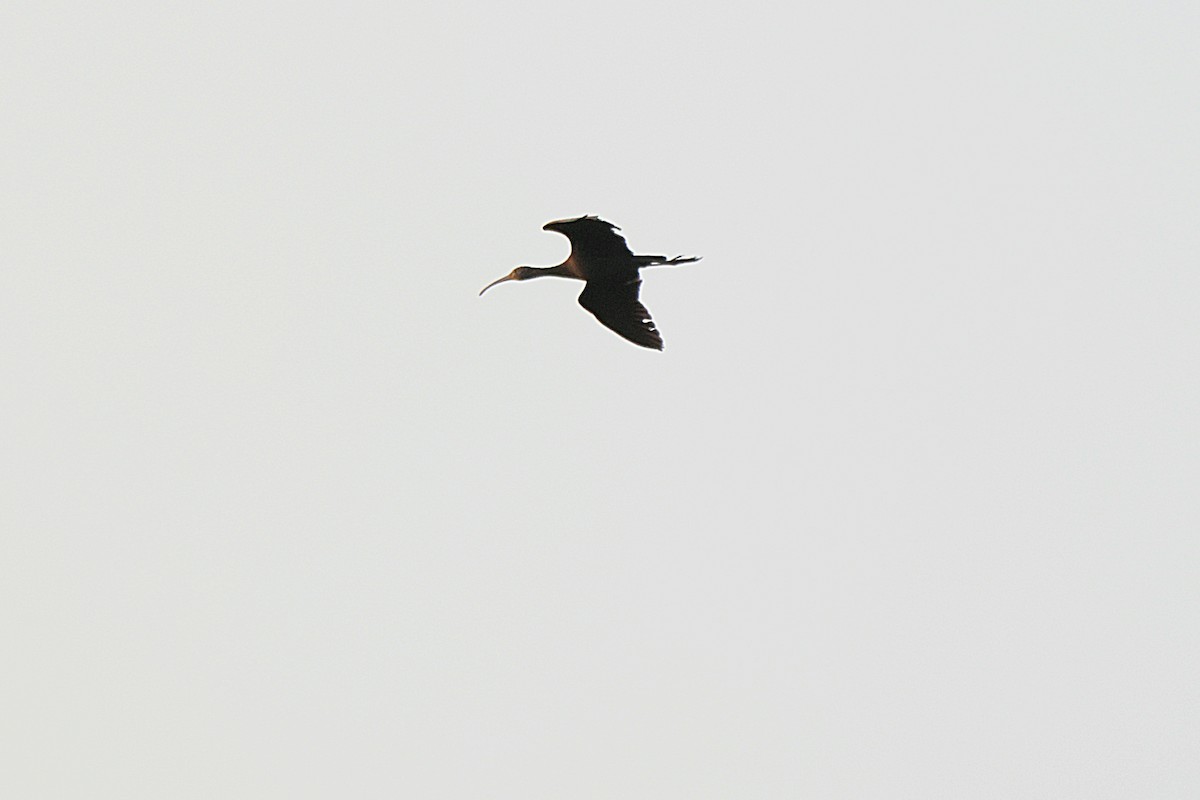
{"x": 600, "y": 258}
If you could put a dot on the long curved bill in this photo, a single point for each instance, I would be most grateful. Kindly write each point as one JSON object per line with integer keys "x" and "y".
{"x": 493, "y": 283}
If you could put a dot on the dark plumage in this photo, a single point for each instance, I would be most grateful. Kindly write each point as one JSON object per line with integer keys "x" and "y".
{"x": 601, "y": 258}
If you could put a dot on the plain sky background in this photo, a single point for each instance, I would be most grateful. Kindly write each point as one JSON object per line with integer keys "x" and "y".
{"x": 906, "y": 509}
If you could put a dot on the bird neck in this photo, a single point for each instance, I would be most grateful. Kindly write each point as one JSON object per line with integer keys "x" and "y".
{"x": 558, "y": 271}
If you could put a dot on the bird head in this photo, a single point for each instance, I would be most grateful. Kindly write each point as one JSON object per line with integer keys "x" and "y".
{"x": 518, "y": 274}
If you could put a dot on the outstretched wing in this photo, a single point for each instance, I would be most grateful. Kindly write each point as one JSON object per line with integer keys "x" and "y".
{"x": 616, "y": 305}
{"x": 591, "y": 238}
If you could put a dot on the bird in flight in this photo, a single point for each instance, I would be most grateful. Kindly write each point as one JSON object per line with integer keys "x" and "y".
{"x": 600, "y": 258}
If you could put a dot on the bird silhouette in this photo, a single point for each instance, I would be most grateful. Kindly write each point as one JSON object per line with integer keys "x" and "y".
{"x": 601, "y": 258}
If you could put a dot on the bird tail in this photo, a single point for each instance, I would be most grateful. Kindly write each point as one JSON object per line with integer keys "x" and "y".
{"x": 662, "y": 261}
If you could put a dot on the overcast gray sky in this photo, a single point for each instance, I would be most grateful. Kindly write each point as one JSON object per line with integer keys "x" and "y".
{"x": 906, "y": 509}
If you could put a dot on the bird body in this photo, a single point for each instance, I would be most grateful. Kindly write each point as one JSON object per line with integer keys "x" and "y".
{"x": 601, "y": 258}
